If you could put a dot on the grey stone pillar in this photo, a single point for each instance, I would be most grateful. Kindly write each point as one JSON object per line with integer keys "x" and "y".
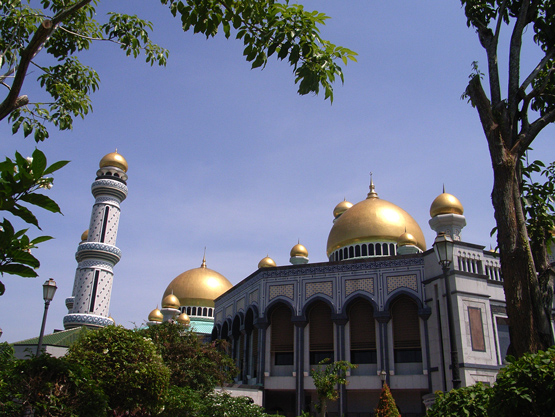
{"x": 261, "y": 326}
{"x": 383, "y": 317}
{"x": 299, "y": 366}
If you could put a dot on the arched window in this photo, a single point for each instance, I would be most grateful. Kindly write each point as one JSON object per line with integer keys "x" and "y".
{"x": 362, "y": 331}
{"x": 406, "y": 331}
{"x": 392, "y": 250}
{"x": 364, "y": 250}
{"x": 385, "y": 249}
{"x": 357, "y": 251}
{"x": 378, "y": 249}
{"x": 282, "y": 334}
{"x": 321, "y": 333}
{"x": 371, "y": 249}
{"x": 351, "y": 252}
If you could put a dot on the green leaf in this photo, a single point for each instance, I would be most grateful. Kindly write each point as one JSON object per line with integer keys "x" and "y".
{"x": 18, "y": 269}
{"x": 55, "y": 167}
{"x": 41, "y": 201}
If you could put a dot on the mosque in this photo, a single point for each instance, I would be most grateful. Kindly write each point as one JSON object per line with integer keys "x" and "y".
{"x": 380, "y": 302}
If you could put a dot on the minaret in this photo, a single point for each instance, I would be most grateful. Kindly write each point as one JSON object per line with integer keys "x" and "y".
{"x": 89, "y": 304}
{"x": 446, "y": 214}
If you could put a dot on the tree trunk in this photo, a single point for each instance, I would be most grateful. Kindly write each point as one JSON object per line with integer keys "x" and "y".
{"x": 527, "y": 316}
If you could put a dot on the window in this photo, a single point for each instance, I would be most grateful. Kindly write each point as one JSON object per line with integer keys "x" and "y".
{"x": 406, "y": 330}
{"x": 476, "y": 329}
{"x": 282, "y": 335}
{"x": 362, "y": 332}
{"x": 321, "y": 333}
{"x": 503, "y": 337}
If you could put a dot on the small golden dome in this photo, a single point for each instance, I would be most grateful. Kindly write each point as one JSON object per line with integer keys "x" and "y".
{"x": 446, "y": 204}
{"x": 266, "y": 262}
{"x": 341, "y": 208}
{"x": 113, "y": 321}
{"x": 85, "y": 236}
{"x": 155, "y": 315}
{"x": 170, "y": 301}
{"x": 198, "y": 286}
{"x": 114, "y": 159}
{"x": 373, "y": 220}
{"x": 183, "y": 319}
{"x": 407, "y": 239}
{"x": 299, "y": 250}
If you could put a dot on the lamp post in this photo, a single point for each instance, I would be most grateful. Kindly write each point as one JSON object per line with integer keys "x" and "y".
{"x": 383, "y": 376}
{"x": 443, "y": 247}
{"x": 48, "y": 290}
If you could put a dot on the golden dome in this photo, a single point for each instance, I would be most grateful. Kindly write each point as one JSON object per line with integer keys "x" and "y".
{"x": 114, "y": 159}
{"x": 407, "y": 239}
{"x": 170, "y": 301}
{"x": 266, "y": 262}
{"x": 155, "y": 315}
{"x": 85, "y": 235}
{"x": 198, "y": 286}
{"x": 298, "y": 250}
{"x": 183, "y": 319}
{"x": 373, "y": 220}
{"x": 341, "y": 208}
{"x": 446, "y": 204}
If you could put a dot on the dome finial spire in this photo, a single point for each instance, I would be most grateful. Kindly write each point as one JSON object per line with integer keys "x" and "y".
{"x": 444, "y": 188}
{"x": 372, "y": 193}
{"x": 204, "y": 259}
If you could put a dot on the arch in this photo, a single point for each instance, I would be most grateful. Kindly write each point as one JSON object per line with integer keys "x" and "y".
{"x": 226, "y": 326}
{"x": 275, "y": 302}
{"x": 354, "y": 297}
{"x": 237, "y": 324}
{"x": 282, "y": 335}
{"x": 398, "y": 293}
{"x": 215, "y": 333}
{"x": 313, "y": 300}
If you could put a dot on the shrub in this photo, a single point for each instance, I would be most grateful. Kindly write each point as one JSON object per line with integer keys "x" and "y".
{"x": 526, "y": 386}
{"x": 386, "y": 404}
{"x": 126, "y": 366}
{"x": 468, "y": 401}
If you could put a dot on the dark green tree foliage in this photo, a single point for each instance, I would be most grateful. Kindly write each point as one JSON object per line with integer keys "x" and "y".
{"x": 511, "y": 121}
{"x": 126, "y": 366}
{"x": 386, "y": 405}
{"x": 525, "y": 387}
{"x": 22, "y": 183}
{"x": 50, "y": 387}
{"x": 328, "y": 377}
{"x": 192, "y": 363}
{"x": 470, "y": 401}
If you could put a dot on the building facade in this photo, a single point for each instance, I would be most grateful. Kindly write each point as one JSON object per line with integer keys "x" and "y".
{"x": 379, "y": 303}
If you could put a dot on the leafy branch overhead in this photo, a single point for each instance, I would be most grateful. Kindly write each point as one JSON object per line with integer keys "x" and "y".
{"x": 62, "y": 29}
{"x": 21, "y": 184}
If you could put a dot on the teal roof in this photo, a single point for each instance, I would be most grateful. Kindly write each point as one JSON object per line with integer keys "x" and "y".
{"x": 202, "y": 326}
{"x": 64, "y": 338}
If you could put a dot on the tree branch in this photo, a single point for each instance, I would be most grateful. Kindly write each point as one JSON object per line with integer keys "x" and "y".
{"x": 43, "y": 32}
{"x": 548, "y": 56}
{"x": 514, "y": 61}
{"x": 525, "y": 140}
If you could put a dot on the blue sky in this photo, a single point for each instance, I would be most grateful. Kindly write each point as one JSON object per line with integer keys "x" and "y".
{"x": 232, "y": 159}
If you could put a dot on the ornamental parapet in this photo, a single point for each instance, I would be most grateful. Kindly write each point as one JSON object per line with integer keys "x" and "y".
{"x": 98, "y": 250}
{"x": 104, "y": 186}
{"x": 88, "y": 320}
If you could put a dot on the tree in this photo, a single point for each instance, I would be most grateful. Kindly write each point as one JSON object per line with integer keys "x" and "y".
{"x": 126, "y": 366}
{"x": 327, "y": 378}
{"x": 470, "y": 401}
{"x": 20, "y": 182}
{"x": 193, "y": 364}
{"x": 386, "y": 404}
{"x": 509, "y": 133}
{"x": 62, "y": 29}
{"x": 48, "y": 386}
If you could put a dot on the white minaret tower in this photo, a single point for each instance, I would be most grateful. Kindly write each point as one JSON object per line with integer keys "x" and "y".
{"x": 89, "y": 304}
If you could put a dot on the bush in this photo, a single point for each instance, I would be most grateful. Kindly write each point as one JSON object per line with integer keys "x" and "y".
{"x": 386, "y": 404}
{"x": 192, "y": 363}
{"x": 50, "y": 387}
{"x": 526, "y": 387}
{"x": 470, "y": 401}
{"x": 126, "y": 366}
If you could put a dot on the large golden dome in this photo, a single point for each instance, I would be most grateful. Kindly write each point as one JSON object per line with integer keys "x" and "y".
{"x": 198, "y": 286}
{"x": 114, "y": 159}
{"x": 446, "y": 204}
{"x": 373, "y": 220}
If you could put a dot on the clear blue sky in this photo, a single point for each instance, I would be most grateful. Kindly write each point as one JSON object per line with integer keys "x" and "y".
{"x": 232, "y": 159}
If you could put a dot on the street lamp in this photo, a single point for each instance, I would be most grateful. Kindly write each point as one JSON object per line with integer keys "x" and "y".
{"x": 443, "y": 247}
{"x": 383, "y": 376}
{"x": 48, "y": 290}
